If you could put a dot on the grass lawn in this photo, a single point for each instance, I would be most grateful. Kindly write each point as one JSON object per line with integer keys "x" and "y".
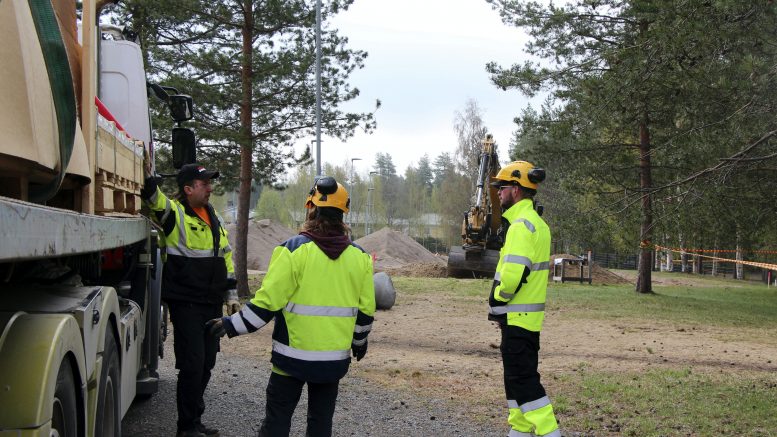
{"x": 668, "y": 400}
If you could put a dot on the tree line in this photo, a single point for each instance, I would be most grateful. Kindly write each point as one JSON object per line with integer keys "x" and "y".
{"x": 427, "y": 200}
{"x": 658, "y": 126}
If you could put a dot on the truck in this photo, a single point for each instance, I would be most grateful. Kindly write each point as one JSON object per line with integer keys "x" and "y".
{"x": 482, "y": 230}
{"x": 80, "y": 267}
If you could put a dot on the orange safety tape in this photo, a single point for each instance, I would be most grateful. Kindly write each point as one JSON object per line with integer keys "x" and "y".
{"x": 766, "y": 266}
{"x": 682, "y": 249}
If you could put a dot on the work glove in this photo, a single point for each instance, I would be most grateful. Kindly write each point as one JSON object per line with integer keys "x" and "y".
{"x": 231, "y": 301}
{"x": 215, "y": 328}
{"x": 359, "y": 351}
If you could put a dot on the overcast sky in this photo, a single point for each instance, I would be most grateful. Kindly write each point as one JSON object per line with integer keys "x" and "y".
{"x": 426, "y": 59}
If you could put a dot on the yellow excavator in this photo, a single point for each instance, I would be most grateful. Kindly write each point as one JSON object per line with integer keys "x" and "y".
{"x": 482, "y": 232}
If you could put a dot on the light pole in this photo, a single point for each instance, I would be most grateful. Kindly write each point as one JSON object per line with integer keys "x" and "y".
{"x": 368, "y": 218}
{"x": 350, "y": 190}
{"x": 317, "y": 162}
{"x": 318, "y": 87}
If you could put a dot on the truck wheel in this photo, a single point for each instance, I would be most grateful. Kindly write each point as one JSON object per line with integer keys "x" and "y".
{"x": 109, "y": 400}
{"x": 64, "y": 414}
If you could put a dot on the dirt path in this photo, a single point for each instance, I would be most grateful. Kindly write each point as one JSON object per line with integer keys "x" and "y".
{"x": 442, "y": 347}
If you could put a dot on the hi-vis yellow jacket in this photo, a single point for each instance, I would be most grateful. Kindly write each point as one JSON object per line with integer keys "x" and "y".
{"x": 321, "y": 306}
{"x": 521, "y": 279}
{"x": 199, "y": 266}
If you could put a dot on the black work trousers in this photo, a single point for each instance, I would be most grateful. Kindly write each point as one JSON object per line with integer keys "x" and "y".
{"x": 520, "y": 358}
{"x": 195, "y": 356}
{"x": 283, "y": 393}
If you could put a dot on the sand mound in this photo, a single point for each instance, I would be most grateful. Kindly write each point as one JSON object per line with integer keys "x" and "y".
{"x": 393, "y": 249}
{"x": 263, "y": 236}
{"x": 599, "y": 275}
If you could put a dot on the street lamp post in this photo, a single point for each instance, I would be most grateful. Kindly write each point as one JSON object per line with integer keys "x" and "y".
{"x": 368, "y": 218}
{"x": 350, "y": 190}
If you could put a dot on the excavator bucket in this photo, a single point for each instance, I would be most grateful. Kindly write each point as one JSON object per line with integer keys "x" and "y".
{"x": 475, "y": 263}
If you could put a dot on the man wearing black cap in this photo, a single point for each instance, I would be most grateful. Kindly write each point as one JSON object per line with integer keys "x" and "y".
{"x": 198, "y": 277}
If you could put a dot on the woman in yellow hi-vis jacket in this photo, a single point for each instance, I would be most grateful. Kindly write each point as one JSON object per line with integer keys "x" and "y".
{"x": 517, "y": 300}
{"x": 319, "y": 289}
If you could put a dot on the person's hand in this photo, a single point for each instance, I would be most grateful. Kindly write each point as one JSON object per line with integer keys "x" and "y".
{"x": 232, "y": 301}
{"x": 233, "y": 306}
{"x": 147, "y": 167}
{"x": 359, "y": 351}
{"x": 215, "y": 328}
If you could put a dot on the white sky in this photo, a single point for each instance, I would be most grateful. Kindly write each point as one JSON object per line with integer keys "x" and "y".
{"x": 426, "y": 58}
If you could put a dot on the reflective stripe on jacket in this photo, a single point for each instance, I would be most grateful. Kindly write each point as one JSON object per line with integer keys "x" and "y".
{"x": 321, "y": 306}
{"x": 199, "y": 258}
{"x": 521, "y": 278}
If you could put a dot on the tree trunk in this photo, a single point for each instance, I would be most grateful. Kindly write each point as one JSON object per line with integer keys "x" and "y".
{"x": 644, "y": 281}
{"x": 246, "y": 152}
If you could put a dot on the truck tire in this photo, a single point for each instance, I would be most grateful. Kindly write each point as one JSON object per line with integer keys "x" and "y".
{"x": 108, "y": 420}
{"x": 64, "y": 412}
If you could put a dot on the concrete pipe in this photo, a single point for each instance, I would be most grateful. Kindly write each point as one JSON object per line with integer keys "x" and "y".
{"x": 385, "y": 294}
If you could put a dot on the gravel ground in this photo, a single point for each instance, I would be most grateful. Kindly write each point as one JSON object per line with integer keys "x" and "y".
{"x": 235, "y": 405}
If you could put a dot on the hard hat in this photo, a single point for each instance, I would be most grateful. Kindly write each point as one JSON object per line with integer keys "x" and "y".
{"x": 521, "y": 173}
{"x": 328, "y": 193}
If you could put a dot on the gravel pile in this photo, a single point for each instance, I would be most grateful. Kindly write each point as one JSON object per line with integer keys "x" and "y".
{"x": 235, "y": 405}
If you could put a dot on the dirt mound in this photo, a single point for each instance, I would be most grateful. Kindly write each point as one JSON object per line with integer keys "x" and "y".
{"x": 599, "y": 275}
{"x": 420, "y": 270}
{"x": 263, "y": 236}
{"x": 392, "y": 249}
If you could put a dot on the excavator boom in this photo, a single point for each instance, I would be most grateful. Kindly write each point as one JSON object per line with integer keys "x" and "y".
{"x": 478, "y": 253}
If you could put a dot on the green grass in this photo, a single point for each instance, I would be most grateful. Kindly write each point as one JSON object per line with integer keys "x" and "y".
{"x": 742, "y": 307}
{"x": 450, "y": 286}
{"x": 667, "y": 402}
{"x": 748, "y": 305}
{"x": 660, "y": 402}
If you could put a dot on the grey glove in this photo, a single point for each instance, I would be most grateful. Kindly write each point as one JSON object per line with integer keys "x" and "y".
{"x": 215, "y": 328}
{"x": 231, "y": 301}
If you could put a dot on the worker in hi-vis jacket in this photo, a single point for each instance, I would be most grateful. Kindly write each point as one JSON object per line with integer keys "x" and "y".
{"x": 517, "y": 300}
{"x": 319, "y": 290}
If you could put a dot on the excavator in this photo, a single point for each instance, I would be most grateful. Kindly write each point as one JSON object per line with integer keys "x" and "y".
{"x": 482, "y": 231}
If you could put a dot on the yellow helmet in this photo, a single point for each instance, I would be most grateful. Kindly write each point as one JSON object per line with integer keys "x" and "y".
{"x": 328, "y": 193}
{"x": 521, "y": 173}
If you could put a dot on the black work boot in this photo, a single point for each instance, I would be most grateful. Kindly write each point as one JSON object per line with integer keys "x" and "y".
{"x": 190, "y": 433}
{"x": 209, "y": 432}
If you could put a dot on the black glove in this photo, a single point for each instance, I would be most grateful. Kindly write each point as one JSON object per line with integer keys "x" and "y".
{"x": 215, "y": 328}
{"x": 359, "y": 351}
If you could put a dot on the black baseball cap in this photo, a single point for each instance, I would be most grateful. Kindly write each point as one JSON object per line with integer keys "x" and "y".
{"x": 190, "y": 172}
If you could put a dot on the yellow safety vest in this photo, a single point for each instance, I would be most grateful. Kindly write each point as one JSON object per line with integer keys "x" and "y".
{"x": 199, "y": 257}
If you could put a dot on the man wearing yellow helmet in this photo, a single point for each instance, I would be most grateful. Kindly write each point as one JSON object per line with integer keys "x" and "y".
{"x": 319, "y": 289}
{"x": 517, "y": 300}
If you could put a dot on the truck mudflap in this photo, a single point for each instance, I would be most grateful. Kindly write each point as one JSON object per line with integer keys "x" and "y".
{"x": 471, "y": 263}
{"x": 34, "y": 347}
